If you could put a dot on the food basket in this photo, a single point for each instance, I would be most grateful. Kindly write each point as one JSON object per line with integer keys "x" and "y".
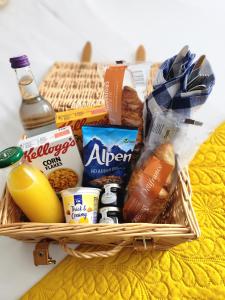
{"x": 70, "y": 85}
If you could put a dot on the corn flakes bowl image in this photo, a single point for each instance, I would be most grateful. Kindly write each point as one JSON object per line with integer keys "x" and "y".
{"x": 63, "y": 178}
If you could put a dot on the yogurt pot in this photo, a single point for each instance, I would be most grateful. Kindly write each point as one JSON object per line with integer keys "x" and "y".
{"x": 81, "y": 205}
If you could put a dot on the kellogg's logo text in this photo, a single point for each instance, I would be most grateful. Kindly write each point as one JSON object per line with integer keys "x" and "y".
{"x": 46, "y": 149}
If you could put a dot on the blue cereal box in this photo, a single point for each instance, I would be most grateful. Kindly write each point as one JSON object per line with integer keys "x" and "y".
{"x": 107, "y": 153}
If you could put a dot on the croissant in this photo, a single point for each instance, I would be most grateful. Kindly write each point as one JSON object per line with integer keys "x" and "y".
{"x": 148, "y": 189}
{"x": 132, "y": 111}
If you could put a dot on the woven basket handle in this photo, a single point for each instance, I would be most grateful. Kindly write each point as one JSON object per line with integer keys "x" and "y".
{"x": 94, "y": 254}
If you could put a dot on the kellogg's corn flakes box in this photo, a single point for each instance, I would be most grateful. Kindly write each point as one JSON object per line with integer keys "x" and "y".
{"x": 56, "y": 154}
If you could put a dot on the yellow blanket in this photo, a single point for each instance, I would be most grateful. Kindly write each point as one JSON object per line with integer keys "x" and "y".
{"x": 193, "y": 270}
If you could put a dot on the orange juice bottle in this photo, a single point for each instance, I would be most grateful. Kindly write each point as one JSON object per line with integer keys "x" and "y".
{"x": 30, "y": 189}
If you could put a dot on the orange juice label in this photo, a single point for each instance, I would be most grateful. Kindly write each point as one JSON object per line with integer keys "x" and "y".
{"x": 77, "y": 118}
{"x": 155, "y": 176}
{"x": 113, "y": 82}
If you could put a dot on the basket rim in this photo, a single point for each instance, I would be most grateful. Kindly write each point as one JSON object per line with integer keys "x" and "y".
{"x": 130, "y": 230}
{"x": 37, "y": 224}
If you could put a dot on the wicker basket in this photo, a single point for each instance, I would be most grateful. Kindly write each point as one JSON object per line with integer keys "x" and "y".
{"x": 181, "y": 226}
{"x": 70, "y": 85}
{"x": 74, "y": 85}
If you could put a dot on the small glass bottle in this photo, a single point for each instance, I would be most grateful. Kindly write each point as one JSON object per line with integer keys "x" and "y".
{"x": 36, "y": 114}
{"x": 30, "y": 188}
{"x": 111, "y": 204}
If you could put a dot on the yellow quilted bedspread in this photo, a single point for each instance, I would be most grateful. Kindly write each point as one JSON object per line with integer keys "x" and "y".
{"x": 193, "y": 270}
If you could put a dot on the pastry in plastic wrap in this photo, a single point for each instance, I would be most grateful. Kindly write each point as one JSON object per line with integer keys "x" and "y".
{"x": 132, "y": 110}
{"x": 149, "y": 186}
{"x": 125, "y": 92}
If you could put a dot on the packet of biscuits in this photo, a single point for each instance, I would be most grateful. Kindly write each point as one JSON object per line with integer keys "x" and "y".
{"x": 150, "y": 186}
{"x": 56, "y": 154}
{"x": 125, "y": 92}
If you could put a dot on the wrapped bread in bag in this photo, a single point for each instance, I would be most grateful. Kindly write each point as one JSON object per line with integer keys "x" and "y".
{"x": 149, "y": 186}
{"x": 125, "y": 92}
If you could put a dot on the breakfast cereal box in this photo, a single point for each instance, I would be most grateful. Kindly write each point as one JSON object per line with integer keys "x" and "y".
{"x": 56, "y": 154}
{"x": 77, "y": 118}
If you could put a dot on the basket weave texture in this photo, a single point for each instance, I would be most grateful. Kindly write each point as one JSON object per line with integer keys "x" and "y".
{"x": 71, "y": 85}
{"x": 74, "y": 85}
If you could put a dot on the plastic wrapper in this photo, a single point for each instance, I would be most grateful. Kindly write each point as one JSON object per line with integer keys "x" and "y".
{"x": 125, "y": 92}
{"x": 180, "y": 90}
{"x": 150, "y": 185}
{"x": 167, "y": 126}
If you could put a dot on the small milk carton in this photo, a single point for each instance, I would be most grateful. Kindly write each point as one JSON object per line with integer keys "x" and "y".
{"x": 56, "y": 154}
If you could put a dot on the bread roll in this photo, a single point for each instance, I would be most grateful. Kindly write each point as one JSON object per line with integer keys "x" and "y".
{"x": 165, "y": 152}
{"x": 148, "y": 189}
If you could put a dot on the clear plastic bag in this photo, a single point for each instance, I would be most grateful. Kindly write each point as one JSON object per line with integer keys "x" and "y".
{"x": 150, "y": 185}
{"x": 125, "y": 92}
{"x": 168, "y": 126}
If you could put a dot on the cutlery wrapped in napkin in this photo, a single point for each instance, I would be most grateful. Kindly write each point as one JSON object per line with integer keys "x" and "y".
{"x": 181, "y": 87}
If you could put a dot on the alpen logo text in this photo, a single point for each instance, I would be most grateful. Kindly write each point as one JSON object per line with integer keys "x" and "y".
{"x": 106, "y": 157}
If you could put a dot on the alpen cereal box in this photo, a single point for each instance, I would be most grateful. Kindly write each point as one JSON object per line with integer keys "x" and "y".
{"x": 56, "y": 154}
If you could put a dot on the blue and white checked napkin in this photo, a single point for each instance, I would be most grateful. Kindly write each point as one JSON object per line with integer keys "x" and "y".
{"x": 181, "y": 85}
